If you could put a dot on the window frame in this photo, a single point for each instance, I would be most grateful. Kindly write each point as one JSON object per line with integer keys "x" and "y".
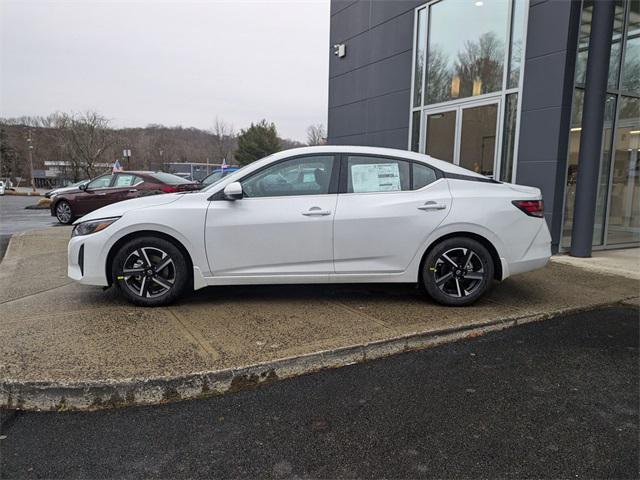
{"x": 343, "y": 186}
{"x": 118, "y": 174}
{"x": 113, "y": 177}
{"x": 333, "y": 181}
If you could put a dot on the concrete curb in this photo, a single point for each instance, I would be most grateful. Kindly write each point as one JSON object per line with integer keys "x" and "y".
{"x": 113, "y": 394}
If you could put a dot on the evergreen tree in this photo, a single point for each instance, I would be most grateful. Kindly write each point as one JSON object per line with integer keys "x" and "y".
{"x": 257, "y": 142}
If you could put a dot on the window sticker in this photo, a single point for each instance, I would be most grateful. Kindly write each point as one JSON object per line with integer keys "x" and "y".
{"x": 376, "y": 177}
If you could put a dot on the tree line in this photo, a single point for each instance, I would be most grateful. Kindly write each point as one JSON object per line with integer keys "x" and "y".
{"x": 85, "y": 142}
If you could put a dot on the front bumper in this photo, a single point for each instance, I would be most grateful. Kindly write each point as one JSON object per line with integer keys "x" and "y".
{"x": 86, "y": 259}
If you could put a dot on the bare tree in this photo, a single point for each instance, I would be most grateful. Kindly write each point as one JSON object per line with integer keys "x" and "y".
{"x": 316, "y": 134}
{"x": 86, "y": 137}
{"x": 224, "y": 140}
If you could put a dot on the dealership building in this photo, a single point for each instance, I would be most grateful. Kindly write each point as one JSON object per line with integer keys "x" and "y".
{"x": 537, "y": 92}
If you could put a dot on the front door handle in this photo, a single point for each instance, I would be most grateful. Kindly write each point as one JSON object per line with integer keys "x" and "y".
{"x": 432, "y": 206}
{"x": 133, "y": 190}
{"x": 316, "y": 212}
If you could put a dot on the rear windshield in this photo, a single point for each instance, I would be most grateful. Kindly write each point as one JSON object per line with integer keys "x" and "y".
{"x": 168, "y": 178}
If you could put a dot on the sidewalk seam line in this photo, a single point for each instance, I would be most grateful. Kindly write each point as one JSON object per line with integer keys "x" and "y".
{"x": 201, "y": 342}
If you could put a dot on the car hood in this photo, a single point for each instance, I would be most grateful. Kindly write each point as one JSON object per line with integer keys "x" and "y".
{"x": 120, "y": 208}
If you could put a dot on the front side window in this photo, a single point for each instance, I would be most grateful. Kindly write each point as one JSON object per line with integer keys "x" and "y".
{"x": 100, "y": 182}
{"x": 299, "y": 176}
{"x": 376, "y": 174}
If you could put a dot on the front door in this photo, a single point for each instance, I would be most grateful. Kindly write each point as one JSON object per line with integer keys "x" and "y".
{"x": 282, "y": 226}
{"x": 464, "y": 134}
{"x": 96, "y": 195}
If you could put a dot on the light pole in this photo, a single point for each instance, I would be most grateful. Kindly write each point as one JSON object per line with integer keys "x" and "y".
{"x": 30, "y": 148}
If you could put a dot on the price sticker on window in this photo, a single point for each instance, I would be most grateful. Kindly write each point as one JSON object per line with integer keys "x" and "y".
{"x": 376, "y": 177}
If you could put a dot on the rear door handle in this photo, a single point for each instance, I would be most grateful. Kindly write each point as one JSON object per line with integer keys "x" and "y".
{"x": 133, "y": 190}
{"x": 432, "y": 206}
{"x": 316, "y": 212}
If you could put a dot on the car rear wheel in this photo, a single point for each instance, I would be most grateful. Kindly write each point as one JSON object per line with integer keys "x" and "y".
{"x": 64, "y": 214}
{"x": 458, "y": 271}
{"x": 150, "y": 271}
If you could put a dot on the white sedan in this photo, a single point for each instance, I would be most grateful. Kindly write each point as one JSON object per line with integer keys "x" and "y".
{"x": 329, "y": 214}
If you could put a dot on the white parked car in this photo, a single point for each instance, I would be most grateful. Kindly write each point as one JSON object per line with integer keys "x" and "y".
{"x": 328, "y": 214}
{"x": 2, "y": 187}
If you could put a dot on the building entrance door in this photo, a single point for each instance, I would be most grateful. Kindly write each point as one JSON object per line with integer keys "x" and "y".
{"x": 464, "y": 134}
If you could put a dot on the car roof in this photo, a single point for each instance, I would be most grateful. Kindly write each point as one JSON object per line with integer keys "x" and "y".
{"x": 382, "y": 151}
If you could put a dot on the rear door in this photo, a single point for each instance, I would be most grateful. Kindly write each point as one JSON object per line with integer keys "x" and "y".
{"x": 386, "y": 210}
{"x": 125, "y": 186}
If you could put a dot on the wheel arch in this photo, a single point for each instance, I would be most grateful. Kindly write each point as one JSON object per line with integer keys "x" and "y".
{"x": 497, "y": 263}
{"x": 145, "y": 233}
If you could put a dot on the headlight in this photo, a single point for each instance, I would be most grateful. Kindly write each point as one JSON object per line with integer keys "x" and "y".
{"x": 92, "y": 226}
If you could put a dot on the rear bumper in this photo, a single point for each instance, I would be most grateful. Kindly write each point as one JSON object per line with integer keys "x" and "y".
{"x": 535, "y": 257}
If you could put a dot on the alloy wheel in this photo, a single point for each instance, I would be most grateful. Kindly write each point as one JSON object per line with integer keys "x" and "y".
{"x": 63, "y": 212}
{"x": 459, "y": 272}
{"x": 149, "y": 272}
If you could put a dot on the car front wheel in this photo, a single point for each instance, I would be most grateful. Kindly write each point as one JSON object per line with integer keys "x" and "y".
{"x": 458, "y": 271}
{"x": 150, "y": 271}
{"x": 64, "y": 214}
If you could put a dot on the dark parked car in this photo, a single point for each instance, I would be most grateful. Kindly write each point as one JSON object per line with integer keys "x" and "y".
{"x": 217, "y": 174}
{"x": 115, "y": 187}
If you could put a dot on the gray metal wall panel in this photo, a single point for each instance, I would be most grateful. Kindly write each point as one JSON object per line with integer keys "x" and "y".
{"x": 381, "y": 11}
{"x": 369, "y": 87}
{"x": 350, "y": 22}
{"x": 348, "y": 119}
{"x": 388, "y": 112}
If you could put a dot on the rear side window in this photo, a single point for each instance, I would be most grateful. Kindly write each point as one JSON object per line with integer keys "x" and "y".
{"x": 423, "y": 176}
{"x": 126, "y": 180}
{"x": 168, "y": 178}
{"x": 376, "y": 174}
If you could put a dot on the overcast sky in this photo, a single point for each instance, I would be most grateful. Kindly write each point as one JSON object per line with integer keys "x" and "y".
{"x": 168, "y": 62}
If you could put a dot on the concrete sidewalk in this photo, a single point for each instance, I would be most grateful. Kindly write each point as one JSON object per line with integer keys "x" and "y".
{"x": 67, "y": 346}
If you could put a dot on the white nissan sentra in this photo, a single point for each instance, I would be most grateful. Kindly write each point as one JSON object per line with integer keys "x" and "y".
{"x": 329, "y": 214}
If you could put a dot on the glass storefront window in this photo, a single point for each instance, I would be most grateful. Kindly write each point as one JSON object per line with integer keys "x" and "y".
{"x": 509, "y": 137}
{"x": 415, "y": 132}
{"x": 572, "y": 169}
{"x": 616, "y": 215}
{"x": 630, "y": 80}
{"x": 624, "y": 215}
{"x": 478, "y": 138}
{"x": 515, "y": 49}
{"x": 441, "y": 135}
{"x": 419, "y": 58}
{"x": 465, "y": 58}
{"x": 616, "y": 42}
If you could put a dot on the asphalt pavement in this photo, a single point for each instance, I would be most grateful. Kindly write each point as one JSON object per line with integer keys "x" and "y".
{"x": 15, "y": 218}
{"x": 552, "y": 399}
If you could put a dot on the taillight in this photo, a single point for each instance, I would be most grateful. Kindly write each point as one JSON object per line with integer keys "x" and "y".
{"x": 533, "y": 208}
{"x": 169, "y": 189}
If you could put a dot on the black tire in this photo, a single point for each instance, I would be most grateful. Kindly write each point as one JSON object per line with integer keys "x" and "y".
{"x": 64, "y": 212}
{"x": 138, "y": 271}
{"x": 464, "y": 283}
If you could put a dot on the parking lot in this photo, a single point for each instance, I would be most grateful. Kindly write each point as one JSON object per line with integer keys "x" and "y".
{"x": 67, "y": 346}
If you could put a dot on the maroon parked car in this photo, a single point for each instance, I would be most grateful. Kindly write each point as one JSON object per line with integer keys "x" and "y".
{"x": 115, "y": 187}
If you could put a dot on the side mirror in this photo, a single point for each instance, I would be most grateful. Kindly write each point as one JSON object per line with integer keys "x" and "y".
{"x": 233, "y": 191}
{"x": 83, "y": 187}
